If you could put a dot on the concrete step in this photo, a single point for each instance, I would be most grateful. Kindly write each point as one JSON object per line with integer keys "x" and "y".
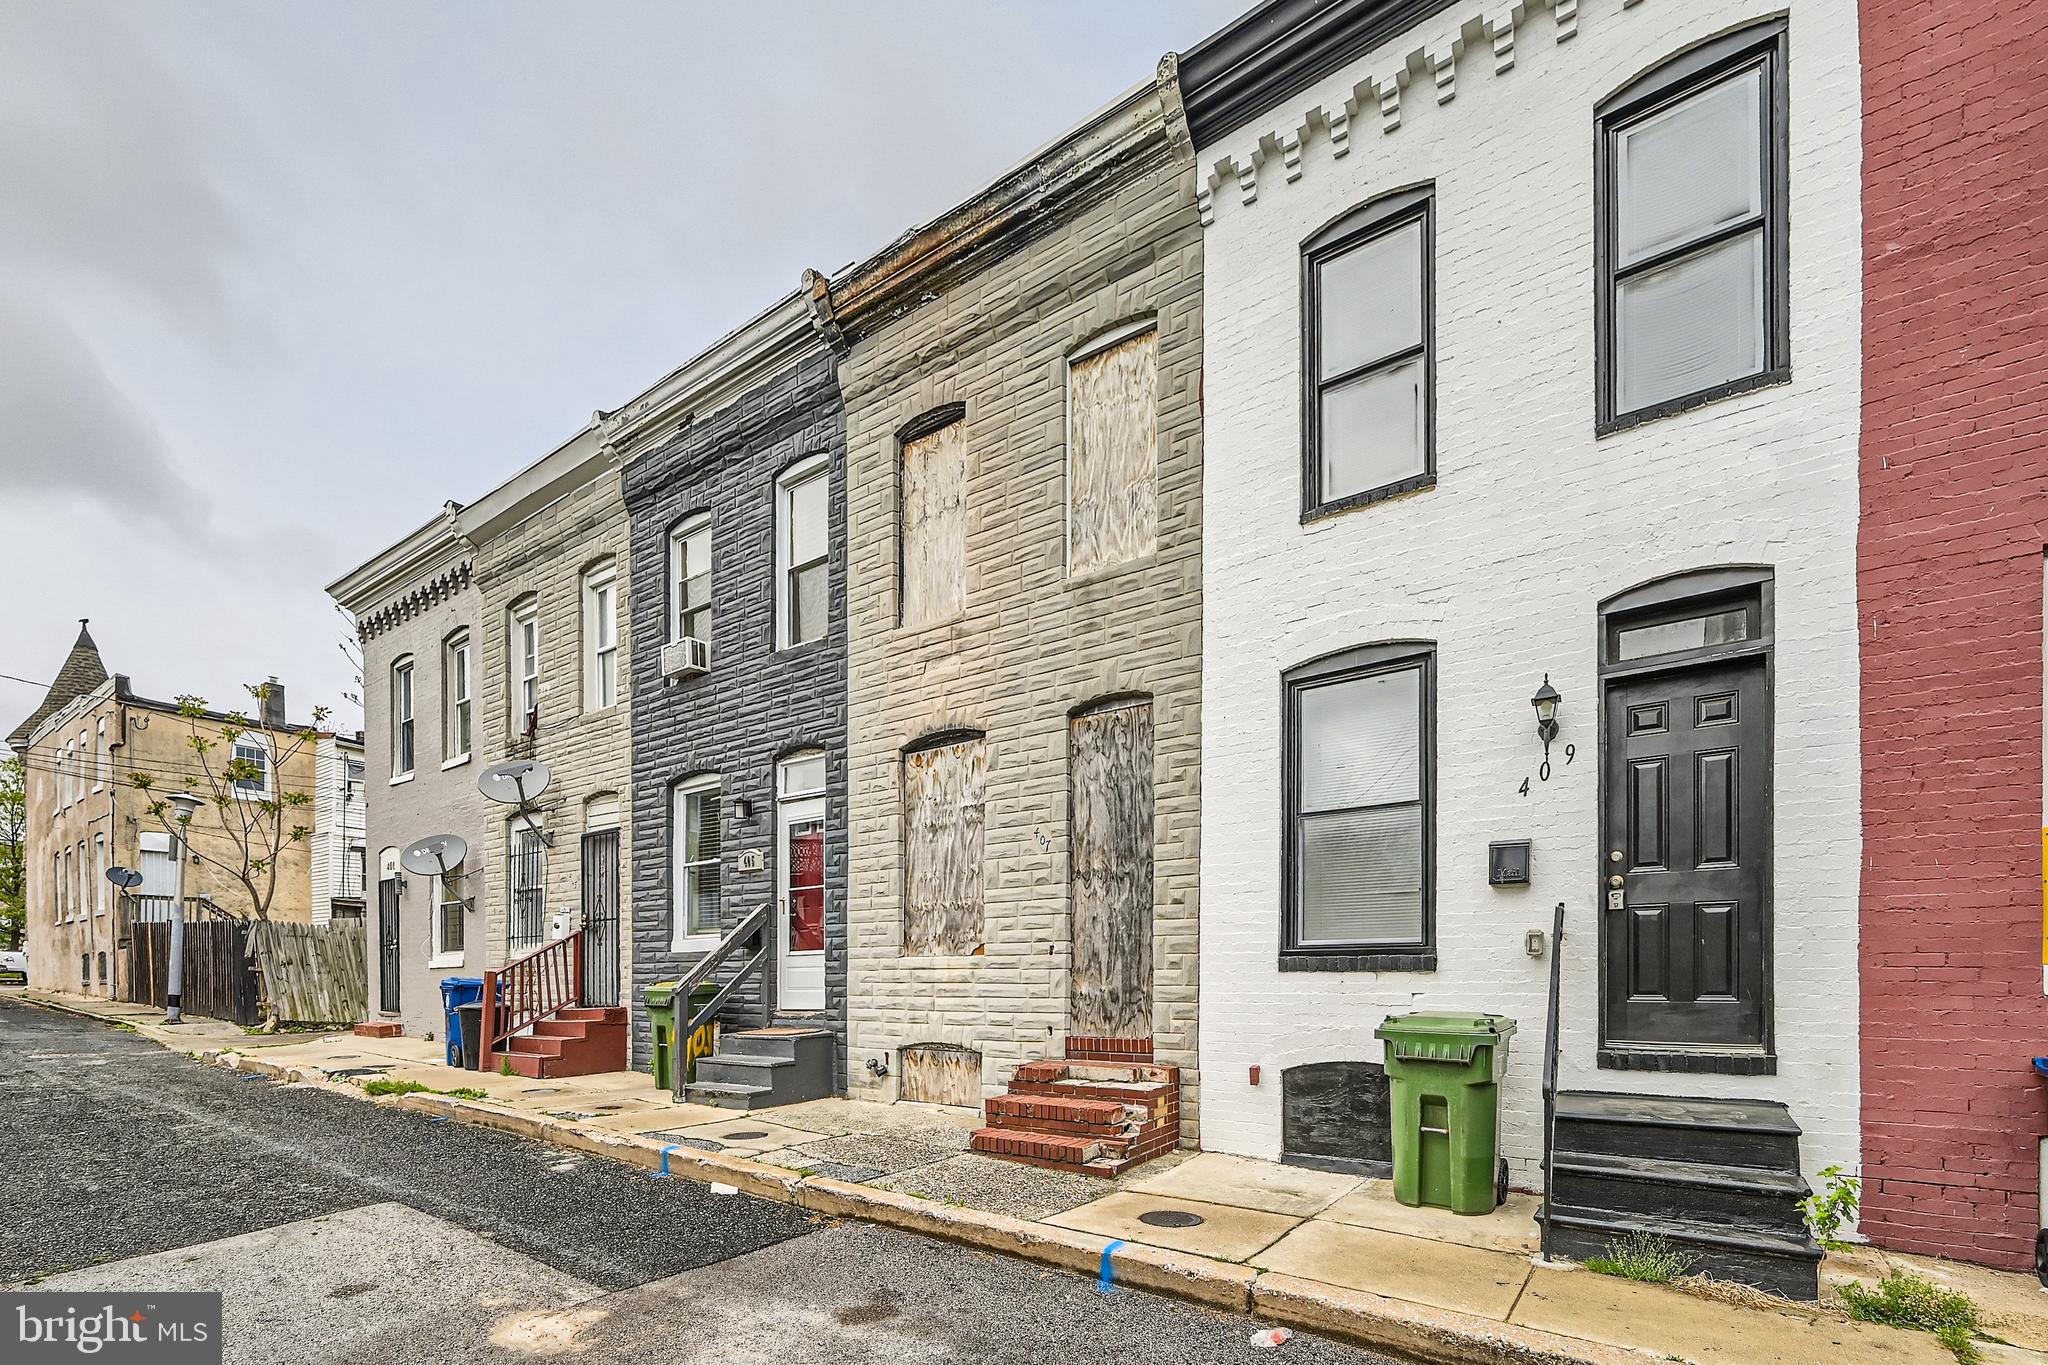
{"x": 724, "y": 1095}
{"x": 1789, "y": 1266}
{"x": 1713, "y": 1196}
{"x": 1719, "y": 1132}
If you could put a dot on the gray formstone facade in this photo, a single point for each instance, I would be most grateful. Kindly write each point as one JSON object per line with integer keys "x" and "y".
{"x": 542, "y": 540}
{"x": 977, "y": 321}
{"x": 759, "y": 702}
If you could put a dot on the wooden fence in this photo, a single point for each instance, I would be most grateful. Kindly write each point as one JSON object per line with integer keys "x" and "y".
{"x": 220, "y": 981}
{"x": 313, "y": 973}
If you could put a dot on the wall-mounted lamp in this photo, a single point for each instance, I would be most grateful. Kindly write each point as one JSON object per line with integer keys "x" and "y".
{"x": 1545, "y": 701}
{"x": 742, "y": 809}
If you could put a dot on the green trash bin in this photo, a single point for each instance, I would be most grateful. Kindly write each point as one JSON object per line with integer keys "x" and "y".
{"x": 661, "y": 1013}
{"x": 1444, "y": 1072}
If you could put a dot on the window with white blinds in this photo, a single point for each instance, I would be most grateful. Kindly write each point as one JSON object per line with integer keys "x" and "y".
{"x": 1359, "y": 823}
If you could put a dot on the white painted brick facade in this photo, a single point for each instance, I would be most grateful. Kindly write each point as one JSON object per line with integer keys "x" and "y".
{"x": 1532, "y": 523}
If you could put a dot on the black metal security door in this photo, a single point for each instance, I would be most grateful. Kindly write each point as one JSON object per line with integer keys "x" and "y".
{"x": 601, "y": 917}
{"x": 1684, "y": 870}
{"x": 387, "y": 944}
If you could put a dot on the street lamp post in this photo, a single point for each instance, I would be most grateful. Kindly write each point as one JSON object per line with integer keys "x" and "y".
{"x": 184, "y": 805}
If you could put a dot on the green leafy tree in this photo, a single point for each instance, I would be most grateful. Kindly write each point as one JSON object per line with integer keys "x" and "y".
{"x": 258, "y": 817}
{"x": 13, "y": 853}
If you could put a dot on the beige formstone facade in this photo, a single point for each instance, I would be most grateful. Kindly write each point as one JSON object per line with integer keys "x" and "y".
{"x": 978, "y": 320}
{"x": 544, "y": 543}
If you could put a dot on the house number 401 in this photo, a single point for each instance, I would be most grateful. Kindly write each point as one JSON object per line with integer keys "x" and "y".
{"x": 1571, "y": 751}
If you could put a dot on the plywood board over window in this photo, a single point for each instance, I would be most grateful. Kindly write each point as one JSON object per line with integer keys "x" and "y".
{"x": 1110, "y": 807}
{"x": 935, "y": 525}
{"x": 1112, "y": 455}
{"x": 943, "y": 792}
{"x": 940, "y": 1073}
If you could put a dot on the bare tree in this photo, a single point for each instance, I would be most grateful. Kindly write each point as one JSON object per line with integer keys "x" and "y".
{"x": 245, "y": 784}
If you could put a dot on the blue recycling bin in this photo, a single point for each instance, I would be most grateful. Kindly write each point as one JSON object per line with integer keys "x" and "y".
{"x": 456, "y": 992}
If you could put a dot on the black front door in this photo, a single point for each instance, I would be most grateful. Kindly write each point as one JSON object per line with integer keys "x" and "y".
{"x": 1685, "y": 866}
{"x": 601, "y": 917}
{"x": 387, "y": 945}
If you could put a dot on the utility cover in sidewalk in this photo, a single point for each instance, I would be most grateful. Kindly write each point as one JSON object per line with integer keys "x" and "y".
{"x": 1171, "y": 1218}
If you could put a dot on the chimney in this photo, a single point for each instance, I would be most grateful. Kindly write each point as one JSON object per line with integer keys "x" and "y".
{"x": 273, "y": 704}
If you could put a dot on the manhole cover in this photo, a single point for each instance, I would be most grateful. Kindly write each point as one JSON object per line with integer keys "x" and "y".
{"x": 744, "y": 1134}
{"x": 358, "y": 1070}
{"x": 543, "y": 1090}
{"x": 1171, "y": 1218}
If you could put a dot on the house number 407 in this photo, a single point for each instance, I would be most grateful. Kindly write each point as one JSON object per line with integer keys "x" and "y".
{"x": 1571, "y": 751}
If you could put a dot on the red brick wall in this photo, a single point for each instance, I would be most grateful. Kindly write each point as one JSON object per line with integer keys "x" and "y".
{"x": 1955, "y": 517}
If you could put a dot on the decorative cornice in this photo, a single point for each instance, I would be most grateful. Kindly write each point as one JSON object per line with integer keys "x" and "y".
{"x": 419, "y": 598}
{"x": 1241, "y": 72}
{"x": 1140, "y": 130}
{"x": 1428, "y": 50}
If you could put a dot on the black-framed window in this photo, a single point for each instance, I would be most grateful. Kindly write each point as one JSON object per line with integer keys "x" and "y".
{"x": 1361, "y": 810}
{"x": 1691, "y": 230}
{"x": 1368, "y": 368}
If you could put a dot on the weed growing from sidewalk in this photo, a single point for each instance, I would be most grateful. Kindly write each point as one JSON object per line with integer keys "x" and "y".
{"x": 382, "y": 1086}
{"x": 120, "y": 1027}
{"x": 1840, "y": 1197}
{"x": 1906, "y": 1300}
{"x": 464, "y": 1092}
{"x": 1642, "y": 1256}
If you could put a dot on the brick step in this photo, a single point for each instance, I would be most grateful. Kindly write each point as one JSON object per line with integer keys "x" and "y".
{"x": 1113, "y": 1074}
{"x": 1066, "y": 1152}
{"x": 593, "y": 1014}
{"x": 1060, "y": 1113}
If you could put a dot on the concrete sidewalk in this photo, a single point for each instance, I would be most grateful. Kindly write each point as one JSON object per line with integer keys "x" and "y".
{"x": 1332, "y": 1253}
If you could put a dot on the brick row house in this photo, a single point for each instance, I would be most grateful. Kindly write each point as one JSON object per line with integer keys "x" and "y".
{"x": 734, "y": 478}
{"x": 1626, "y": 621}
{"x": 1023, "y": 432}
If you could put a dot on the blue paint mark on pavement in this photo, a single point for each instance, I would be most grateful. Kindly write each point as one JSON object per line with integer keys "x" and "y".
{"x": 1107, "y": 1283}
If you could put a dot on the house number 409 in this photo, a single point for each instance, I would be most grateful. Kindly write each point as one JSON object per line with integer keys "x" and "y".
{"x": 1571, "y": 751}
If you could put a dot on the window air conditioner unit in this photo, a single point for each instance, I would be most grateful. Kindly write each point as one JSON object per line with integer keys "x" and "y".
{"x": 685, "y": 658}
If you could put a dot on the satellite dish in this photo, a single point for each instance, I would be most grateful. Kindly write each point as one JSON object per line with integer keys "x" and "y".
{"x": 514, "y": 784}
{"x": 435, "y": 856}
{"x": 124, "y": 877}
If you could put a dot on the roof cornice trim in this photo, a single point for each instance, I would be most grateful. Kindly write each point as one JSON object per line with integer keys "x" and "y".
{"x": 1076, "y": 170}
{"x": 1279, "y": 50}
{"x": 760, "y": 348}
{"x": 432, "y": 549}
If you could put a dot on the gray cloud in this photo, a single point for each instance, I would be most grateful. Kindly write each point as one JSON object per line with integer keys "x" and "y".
{"x": 71, "y": 429}
{"x": 280, "y": 278}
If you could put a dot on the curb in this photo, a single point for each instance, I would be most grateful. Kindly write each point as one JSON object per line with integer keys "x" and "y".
{"x": 1436, "y": 1336}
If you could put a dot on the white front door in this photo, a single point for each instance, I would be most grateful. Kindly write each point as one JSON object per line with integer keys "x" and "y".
{"x": 800, "y": 894}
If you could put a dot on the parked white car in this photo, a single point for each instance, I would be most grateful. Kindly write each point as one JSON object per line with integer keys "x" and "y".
{"x": 13, "y": 969}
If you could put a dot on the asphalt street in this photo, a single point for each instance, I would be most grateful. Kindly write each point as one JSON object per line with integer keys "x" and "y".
{"x": 343, "y": 1231}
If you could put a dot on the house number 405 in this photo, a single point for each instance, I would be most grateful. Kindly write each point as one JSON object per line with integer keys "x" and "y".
{"x": 1571, "y": 751}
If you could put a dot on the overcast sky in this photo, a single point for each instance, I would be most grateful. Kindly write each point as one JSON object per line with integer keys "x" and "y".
{"x": 276, "y": 280}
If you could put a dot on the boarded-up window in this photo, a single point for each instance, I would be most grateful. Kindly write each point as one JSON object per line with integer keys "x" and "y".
{"x": 1110, "y": 844}
{"x": 935, "y": 525}
{"x": 943, "y": 790}
{"x": 939, "y": 1073}
{"x": 1112, "y": 460}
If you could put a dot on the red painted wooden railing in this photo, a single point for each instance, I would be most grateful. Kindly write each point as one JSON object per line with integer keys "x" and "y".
{"x": 528, "y": 989}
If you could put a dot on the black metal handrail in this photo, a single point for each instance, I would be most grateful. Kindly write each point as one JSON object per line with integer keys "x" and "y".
{"x": 754, "y": 926}
{"x": 1550, "y": 1067}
